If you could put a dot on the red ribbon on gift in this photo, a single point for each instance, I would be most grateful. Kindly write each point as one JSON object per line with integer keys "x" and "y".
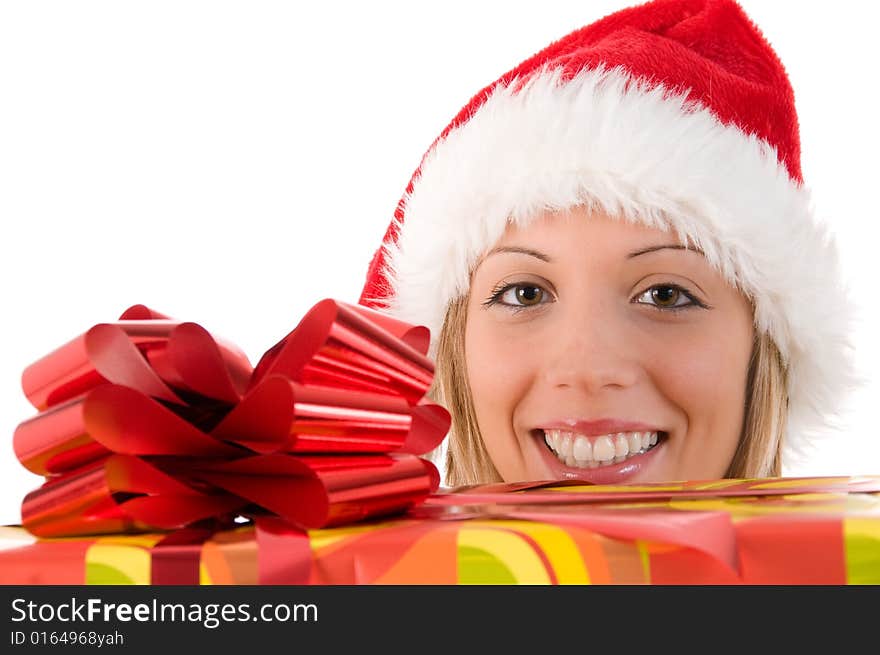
{"x": 150, "y": 423}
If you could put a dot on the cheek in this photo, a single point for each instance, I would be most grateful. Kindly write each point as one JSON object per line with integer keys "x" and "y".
{"x": 500, "y": 376}
{"x": 706, "y": 364}
{"x": 705, "y": 376}
{"x": 496, "y": 368}
{"x": 723, "y": 369}
{"x": 708, "y": 389}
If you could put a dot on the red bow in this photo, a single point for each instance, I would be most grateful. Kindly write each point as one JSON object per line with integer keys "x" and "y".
{"x": 150, "y": 423}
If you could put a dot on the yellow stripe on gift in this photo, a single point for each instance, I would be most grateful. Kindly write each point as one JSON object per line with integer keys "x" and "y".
{"x": 558, "y": 547}
{"x": 731, "y": 505}
{"x": 322, "y": 538}
{"x": 644, "y": 548}
{"x": 497, "y": 556}
{"x": 607, "y": 488}
{"x": 205, "y": 575}
{"x": 799, "y": 483}
{"x": 120, "y": 559}
{"x": 862, "y": 545}
{"x": 720, "y": 484}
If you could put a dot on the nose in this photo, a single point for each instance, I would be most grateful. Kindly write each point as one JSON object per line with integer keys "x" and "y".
{"x": 592, "y": 353}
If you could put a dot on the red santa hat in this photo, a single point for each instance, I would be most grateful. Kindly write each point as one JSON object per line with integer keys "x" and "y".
{"x": 675, "y": 113}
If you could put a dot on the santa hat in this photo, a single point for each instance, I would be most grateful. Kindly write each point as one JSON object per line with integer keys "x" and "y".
{"x": 676, "y": 114}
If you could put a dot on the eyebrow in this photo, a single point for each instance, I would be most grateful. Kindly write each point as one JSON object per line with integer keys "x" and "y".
{"x": 517, "y": 250}
{"x": 520, "y": 251}
{"x": 668, "y": 246}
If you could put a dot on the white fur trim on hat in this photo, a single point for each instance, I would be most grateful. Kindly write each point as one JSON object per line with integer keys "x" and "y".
{"x": 647, "y": 155}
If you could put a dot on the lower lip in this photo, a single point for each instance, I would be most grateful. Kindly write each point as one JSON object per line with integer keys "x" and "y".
{"x": 620, "y": 473}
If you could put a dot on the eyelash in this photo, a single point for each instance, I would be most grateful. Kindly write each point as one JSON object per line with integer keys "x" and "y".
{"x": 694, "y": 301}
{"x": 499, "y": 291}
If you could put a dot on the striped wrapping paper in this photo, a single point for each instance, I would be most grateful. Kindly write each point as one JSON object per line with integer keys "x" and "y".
{"x": 817, "y": 531}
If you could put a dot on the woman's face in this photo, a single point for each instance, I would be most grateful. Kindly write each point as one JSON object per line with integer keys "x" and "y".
{"x": 602, "y": 350}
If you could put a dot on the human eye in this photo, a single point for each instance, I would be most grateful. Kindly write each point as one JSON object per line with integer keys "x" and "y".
{"x": 518, "y": 296}
{"x": 669, "y": 297}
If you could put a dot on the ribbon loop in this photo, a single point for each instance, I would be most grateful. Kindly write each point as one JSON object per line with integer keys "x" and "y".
{"x": 151, "y": 423}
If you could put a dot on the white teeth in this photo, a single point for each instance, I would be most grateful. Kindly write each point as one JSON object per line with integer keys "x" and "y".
{"x": 603, "y": 449}
{"x": 583, "y": 449}
{"x": 563, "y": 445}
{"x": 635, "y": 442}
{"x": 580, "y": 451}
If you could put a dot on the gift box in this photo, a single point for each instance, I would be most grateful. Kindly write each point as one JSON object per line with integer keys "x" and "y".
{"x": 780, "y": 531}
{"x": 169, "y": 459}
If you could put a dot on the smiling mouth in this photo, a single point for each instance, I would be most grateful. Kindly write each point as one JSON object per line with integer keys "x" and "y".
{"x": 589, "y": 452}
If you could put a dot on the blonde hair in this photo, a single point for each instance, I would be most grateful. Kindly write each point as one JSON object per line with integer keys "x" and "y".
{"x": 467, "y": 461}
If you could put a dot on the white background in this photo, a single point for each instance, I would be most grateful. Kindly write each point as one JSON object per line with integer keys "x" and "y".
{"x": 234, "y": 163}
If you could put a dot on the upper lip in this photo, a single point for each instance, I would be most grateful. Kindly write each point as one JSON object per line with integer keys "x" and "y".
{"x": 594, "y": 428}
